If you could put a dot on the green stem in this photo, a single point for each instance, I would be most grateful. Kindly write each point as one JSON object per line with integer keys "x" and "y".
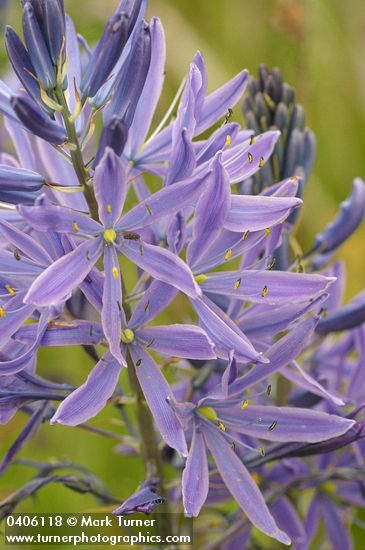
{"x": 149, "y": 445}
{"x": 76, "y": 155}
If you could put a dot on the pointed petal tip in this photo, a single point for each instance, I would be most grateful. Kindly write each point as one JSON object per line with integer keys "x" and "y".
{"x": 283, "y": 537}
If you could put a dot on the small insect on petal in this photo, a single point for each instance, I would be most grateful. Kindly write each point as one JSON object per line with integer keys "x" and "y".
{"x": 228, "y": 254}
{"x": 264, "y": 292}
{"x": 244, "y": 404}
{"x": 237, "y": 284}
{"x": 75, "y": 227}
{"x": 10, "y": 290}
{"x": 115, "y": 272}
{"x": 2, "y": 312}
{"x": 250, "y": 158}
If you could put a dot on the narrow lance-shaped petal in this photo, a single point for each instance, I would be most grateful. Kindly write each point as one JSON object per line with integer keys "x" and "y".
{"x": 225, "y": 336}
{"x": 186, "y": 341}
{"x": 252, "y": 213}
{"x": 279, "y": 355}
{"x": 338, "y": 533}
{"x": 110, "y": 186}
{"x": 217, "y": 103}
{"x": 158, "y": 393}
{"x": 25, "y": 244}
{"x": 282, "y": 423}
{"x": 195, "y": 478}
{"x": 241, "y": 162}
{"x": 272, "y": 287}
{"x": 59, "y": 219}
{"x": 344, "y": 318}
{"x": 287, "y": 518}
{"x": 167, "y": 201}
{"x": 63, "y": 333}
{"x": 161, "y": 264}
{"x": 112, "y": 302}
{"x": 240, "y": 483}
{"x": 155, "y": 299}
{"x": 211, "y": 210}
{"x": 37, "y": 48}
{"x": 90, "y": 398}
{"x": 14, "y": 314}
{"x": 56, "y": 283}
{"x": 351, "y": 214}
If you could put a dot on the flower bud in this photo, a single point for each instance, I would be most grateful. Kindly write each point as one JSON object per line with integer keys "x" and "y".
{"x": 36, "y": 121}
{"x": 37, "y": 48}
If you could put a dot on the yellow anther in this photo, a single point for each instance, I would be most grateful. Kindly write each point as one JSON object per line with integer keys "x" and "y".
{"x": 115, "y": 272}
{"x": 228, "y": 141}
{"x": 200, "y": 278}
{"x": 10, "y": 290}
{"x": 272, "y": 426}
{"x": 228, "y": 254}
{"x": 264, "y": 292}
{"x": 108, "y": 208}
{"x": 75, "y": 227}
{"x": 127, "y": 336}
{"x": 261, "y": 162}
{"x": 269, "y": 388}
{"x": 262, "y": 451}
{"x": 2, "y": 312}
{"x": 221, "y": 426}
{"x": 208, "y": 413}
{"x": 252, "y": 139}
{"x": 109, "y": 235}
{"x": 245, "y": 235}
{"x": 268, "y": 232}
{"x": 149, "y": 209}
{"x": 255, "y": 476}
{"x": 250, "y": 158}
{"x": 237, "y": 284}
{"x": 329, "y": 487}
{"x": 244, "y": 404}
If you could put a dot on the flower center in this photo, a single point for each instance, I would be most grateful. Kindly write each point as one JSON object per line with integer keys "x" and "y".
{"x": 109, "y": 236}
{"x": 127, "y": 336}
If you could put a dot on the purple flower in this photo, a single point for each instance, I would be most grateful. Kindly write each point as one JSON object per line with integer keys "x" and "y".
{"x": 145, "y": 500}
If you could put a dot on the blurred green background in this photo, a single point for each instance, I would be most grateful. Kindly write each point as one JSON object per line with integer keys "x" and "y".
{"x": 319, "y": 46}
